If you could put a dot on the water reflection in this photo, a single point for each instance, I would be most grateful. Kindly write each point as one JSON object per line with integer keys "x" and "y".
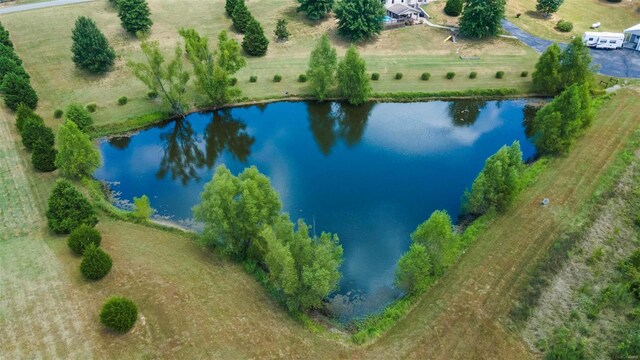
{"x": 224, "y": 132}
{"x": 330, "y": 122}
{"x": 120, "y": 142}
{"x": 466, "y": 112}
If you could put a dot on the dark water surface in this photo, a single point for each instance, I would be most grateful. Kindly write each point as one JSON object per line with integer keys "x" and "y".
{"x": 371, "y": 174}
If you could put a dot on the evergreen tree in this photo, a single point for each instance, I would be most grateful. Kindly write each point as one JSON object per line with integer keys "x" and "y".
{"x": 91, "y": 51}
{"x": 5, "y": 39}
{"x": 437, "y": 236}
{"x": 25, "y": 114}
{"x": 135, "y": 15}
{"x": 575, "y": 64}
{"x": 454, "y": 7}
{"x": 229, "y": 6}
{"x": 8, "y": 65}
{"x": 359, "y": 20}
{"x": 43, "y": 157}
{"x": 315, "y": 9}
{"x": 282, "y": 33}
{"x": 8, "y": 52}
{"x": 17, "y": 90}
{"x": 353, "y": 81}
{"x": 481, "y": 18}
{"x": 254, "y": 42}
{"x": 241, "y": 17}
{"x": 547, "y": 77}
{"x": 322, "y": 68}
{"x": 414, "y": 270}
{"x": 548, "y": 6}
{"x": 35, "y": 131}
{"x": 68, "y": 209}
{"x": 77, "y": 157}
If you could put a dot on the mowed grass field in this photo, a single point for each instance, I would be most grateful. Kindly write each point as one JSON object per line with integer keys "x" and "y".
{"x": 614, "y": 17}
{"x": 43, "y": 39}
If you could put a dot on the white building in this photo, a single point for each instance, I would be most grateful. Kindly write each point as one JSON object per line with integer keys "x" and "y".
{"x": 632, "y": 38}
{"x": 405, "y": 9}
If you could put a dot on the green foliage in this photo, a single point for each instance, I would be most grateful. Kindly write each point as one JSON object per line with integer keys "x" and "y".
{"x": 24, "y": 113}
{"x": 453, "y": 7}
{"x": 34, "y": 131}
{"x": 79, "y": 115}
{"x": 450, "y": 75}
{"x": 5, "y": 39}
{"x": 17, "y": 90}
{"x": 253, "y": 78}
{"x": 77, "y": 157}
{"x": 425, "y": 76}
{"x": 546, "y": 77}
{"x": 414, "y": 270}
{"x": 566, "y": 346}
{"x": 524, "y": 74}
{"x": 83, "y": 236}
{"x": 498, "y": 183}
{"x": 547, "y": 7}
{"x": 481, "y": 18}
{"x": 170, "y": 80}
{"x": 254, "y": 42}
{"x": 499, "y": 74}
{"x": 92, "y": 107}
{"x": 91, "y": 51}
{"x": 241, "y": 17}
{"x": 398, "y": 76}
{"x": 8, "y": 52}
{"x": 629, "y": 347}
{"x": 234, "y": 210}
{"x": 151, "y": 95}
{"x": 277, "y": 78}
{"x": 473, "y": 75}
{"x": 142, "y": 208}
{"x": 123, "y": 100}
{"x": 302, "y": 78}
{"x": 359, "y": 20}
{"x": 135, "y": 16}
{"x": 96, "y": 263}
{"x": 58, "y": 113}
{"x": 322, "y": 68}
{"x": 564, "y": 25}
{"x": 8, "y": 66}
{"x": 43, "y": 157}
{"x": 315, "y": 9}
{"x": 375, "y": 76}
{"x": 119, "y": 314}
{"x": 68, "y": 209}
{"x": 575, "y": 64}
{"x": 437, "y": 236}
{"x": 559, "y": 123}
{"x": 282, "y": 33}
{"x": 353, "y": 81}
{"x": 229, "y": 6}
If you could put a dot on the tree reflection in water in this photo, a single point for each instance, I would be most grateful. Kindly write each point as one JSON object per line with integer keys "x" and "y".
{"x": 185, "y": 152}
{"x": 331, "y": 122}
{"x": 120, "y": 142}
{"x": 465, "y": 112}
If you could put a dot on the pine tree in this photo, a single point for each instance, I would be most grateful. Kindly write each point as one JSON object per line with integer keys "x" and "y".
{"x": 322, "y": 68}
{"x": 8, "y": 65}
{"x": 282, "y": 33}
{"x": 135, "y": 15}
{"x": 8, "y": 52}
{"x": 229, "y": 6}
{"x": 481, "y": 18}
{"x": 254, "y": 42}
{"x": 43, "y": 157}
{"x": 315, "y": 9}
{"x": 17, "y": 90}
{"x": 68, "y": 209}
{"x": 353, "y": 81}
{"x": 241, "y": 17}
{"x": 91, "y": 51}
{"x": 5, "y": 39}
{"x": 454, "y": 7}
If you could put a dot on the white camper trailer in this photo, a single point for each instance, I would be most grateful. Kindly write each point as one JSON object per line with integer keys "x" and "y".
{"x": 603, "y": 40}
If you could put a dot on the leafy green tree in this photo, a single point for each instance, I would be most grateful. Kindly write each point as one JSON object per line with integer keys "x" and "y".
{"x": 79, "y": 115}
{"x": 547, "y": 77}
{"x": 481, "y": 18}
{"x": 8, "y": 66}
{"x": 498, "y": 183}
{"x": 234, "y": 210}
{"x": 91, "y": 50}
{"x": 414, "y": 270}
{"x": 5, "y": 39}
{"x": 142, "y": 208}
{"x": 547, "y": 7}
{"x": 282, "y": 33}
{"x": 17, "y": 90}
{"x": 77, "y": 157}
{"x": 322, "y": 68}
{"x": 353, "y": 81}
{"x": 81, "y": 237}
{"x": 559, "y": 123}
{"x": 454, "y": 7}
{"x": 34, "y": 131}
{"x": 315, "y": 9}
{"x": 229, "y": 6}
{"x": 170, "y": 80}
{"x": 575, "y": 64}
{"x": 254, "y": 42}
{"x": 359, "y": 20}
{"x": 43, "y": 157}
{"x": 437, "y": 236}
{"x": 96, "y": 263}
{"x": 8, "y": 52}
{"x": 241, "y": 17}
{"x": 135, "y": 15}
{"x": 68, "y": 209}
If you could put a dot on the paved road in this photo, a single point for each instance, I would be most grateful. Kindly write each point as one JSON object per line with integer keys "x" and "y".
{"x": 618, "y": 63}
{"x": 40, "y": 5}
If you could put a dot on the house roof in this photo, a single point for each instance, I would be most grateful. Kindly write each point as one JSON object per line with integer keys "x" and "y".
{"x": 634, "y": 29}
{"x": 402, "y": 9}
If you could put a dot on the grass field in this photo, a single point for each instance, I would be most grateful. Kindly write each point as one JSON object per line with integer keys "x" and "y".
{"x": 614, "y": 17}
{"x": 43, "y": 39}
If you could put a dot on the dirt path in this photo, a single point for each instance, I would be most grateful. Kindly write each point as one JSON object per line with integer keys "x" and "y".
{"x": 40, "y": 315}
{"x": 463, "y": 316}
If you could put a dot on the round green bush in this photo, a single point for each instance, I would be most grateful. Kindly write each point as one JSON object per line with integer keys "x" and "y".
{"x": 451, "y": 75}
{"x": 473, "y": 75}
{"x": 277, "y": 78}
{"x": 119, "y": 314}
{"x": 123, "y": 100}
{"x": 253, "y": 78}
{"x": 453, "y": 7}
{"x": 43, "y": 157}
{"x": 398, "y": 76}
{"x": 233, "y": 81}
{"x": 564, "y": 26}
{"x": 68, "y": 208}
{"x": 425, "y": 76}
{"x": 499, "y": 74}
{"x": 152, "y": 94}
{"x": 58, "y": 113}
{"x": 524, "y": 74}
{"x": 79, "y": 115}
{"x": 92, "y": 107}
{"x": 302, "y": 78}
{"x": 375, "y": 76}
{"x": 81, "y": 237}
{"x": 96, "y": 263}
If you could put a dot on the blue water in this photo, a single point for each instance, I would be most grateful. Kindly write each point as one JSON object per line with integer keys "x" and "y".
{"x": 371, "y": 174}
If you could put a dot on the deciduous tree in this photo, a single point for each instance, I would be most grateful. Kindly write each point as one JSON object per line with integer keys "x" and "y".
{"x": 353, "y": 81}
{"x": 91, "y": 50}
{"x": 142, "y": 207}
{"x": 547, "y": 7}
{"x": 481, "y": 18}
{"x": 77, "y": 157}
{"x": 437, "y": 236}
{"x": 315, "y": 9}
{"x": 414, "y": 269}
{"x": 79, "y": 115}
{"x": 135, "y": 15}
{"x": 547, "y": 77}
{"x": 359, "y": 20}
{"x": 322, "y": 68}
{"x": 575, "y": 64}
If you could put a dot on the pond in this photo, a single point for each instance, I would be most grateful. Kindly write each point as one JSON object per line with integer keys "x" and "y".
{"x": 371, "y": 174}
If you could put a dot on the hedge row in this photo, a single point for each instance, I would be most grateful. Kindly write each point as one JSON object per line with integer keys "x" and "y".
{"x": 15, "y": 83}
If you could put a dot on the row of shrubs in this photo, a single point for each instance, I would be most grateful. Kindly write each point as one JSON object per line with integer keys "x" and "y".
{"x": 69, "y": 212}
{"x": 254, "y": 43}
{"x": 36, "y": 137}
{"x": 15, "y": 82}
{"x": 376, "y": 76}
{"x": 93, "y": 107}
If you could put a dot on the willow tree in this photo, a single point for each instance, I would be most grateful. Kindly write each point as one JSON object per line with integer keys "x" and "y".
{"x": 170, "y": 80}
